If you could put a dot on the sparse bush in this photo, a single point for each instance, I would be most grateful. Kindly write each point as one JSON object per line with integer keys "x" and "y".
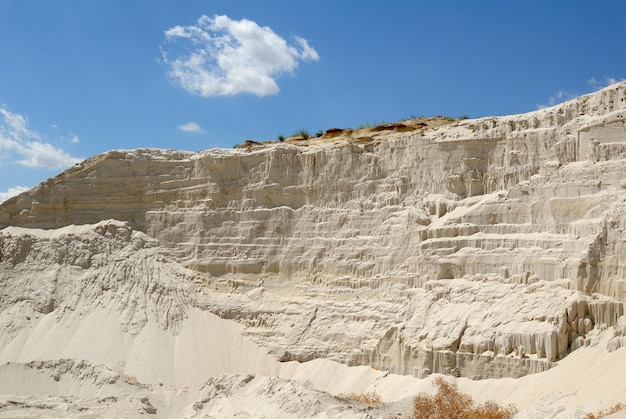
{"x": 129, "y": 378}
{"x": 370, "y": 399}
{"x": 281, "y": 138}
{"x": 449, "y": 402}
{"x": 618, "y": 407}
{"x": 303, "y": 133}
{"x": 247, "y": 144}
{"x": 319, "y": 133}
{"x": 369, "y": 124}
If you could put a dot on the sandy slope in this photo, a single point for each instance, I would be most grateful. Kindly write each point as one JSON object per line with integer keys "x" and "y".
{"x": 211, "y": 369}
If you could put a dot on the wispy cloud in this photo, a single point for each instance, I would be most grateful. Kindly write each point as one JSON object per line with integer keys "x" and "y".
{"x": 74, "y": 138}
{"x": 593, "y": 83}
{"x": 191, "y": 127}
{"x": 29, "y": 148}
{"x": 44, "y": 155}
{"x": 219, "y": 56}
{"x": 11, "y": 192}
{"x": 602, "y": 82}
{"x": 558, "y": 97}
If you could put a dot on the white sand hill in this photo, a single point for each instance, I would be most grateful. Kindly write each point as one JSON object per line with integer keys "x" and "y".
{"x": 265, "y": 281}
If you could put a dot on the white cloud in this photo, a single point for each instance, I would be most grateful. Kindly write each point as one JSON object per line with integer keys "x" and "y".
{"x": 74, "y": 138}
{"x": 565, "y": 95}
{"x": 18, "y": 142}
{"x": 14, "y": 127}
{"x": 190, "y": 127}
{"x": 598, "y": 84}
{"x": 11, "y": 192}
{"x": 225, "y": 57}
{"x": 559, "y": 97}
{"x": 38, "y": 154}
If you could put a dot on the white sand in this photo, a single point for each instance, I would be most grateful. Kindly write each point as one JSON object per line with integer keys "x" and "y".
{"x": 174, "y": 367}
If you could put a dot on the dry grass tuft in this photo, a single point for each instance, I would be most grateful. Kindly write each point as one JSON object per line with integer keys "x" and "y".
{"x": 450, "y": 403}
{"x": 131, "y": 379}
{"x": 370, "y": 399}
{"x": 618, "y": 407}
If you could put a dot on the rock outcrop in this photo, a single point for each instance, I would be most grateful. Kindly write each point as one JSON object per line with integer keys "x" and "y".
{"x": 485, "y": 248}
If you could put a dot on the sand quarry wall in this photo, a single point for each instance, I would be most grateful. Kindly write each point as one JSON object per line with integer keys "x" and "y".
{"x": 489, "y": 247}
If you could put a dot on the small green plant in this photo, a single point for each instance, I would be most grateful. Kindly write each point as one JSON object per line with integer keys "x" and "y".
{"x": 303, "y": 133}
{"x": 281, "y": 138}
{"x": 449, "y": 402}
{"x": 319, "y": 133}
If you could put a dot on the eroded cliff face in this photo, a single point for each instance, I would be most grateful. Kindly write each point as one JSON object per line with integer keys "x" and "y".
{"x": 485, "y": 248}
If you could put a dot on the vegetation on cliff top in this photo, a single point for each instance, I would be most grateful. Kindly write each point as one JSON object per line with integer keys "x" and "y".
{"x": 363, "y": 131}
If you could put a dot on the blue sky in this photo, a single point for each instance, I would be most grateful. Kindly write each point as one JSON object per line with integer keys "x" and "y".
{"x": 78, "y": 77}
